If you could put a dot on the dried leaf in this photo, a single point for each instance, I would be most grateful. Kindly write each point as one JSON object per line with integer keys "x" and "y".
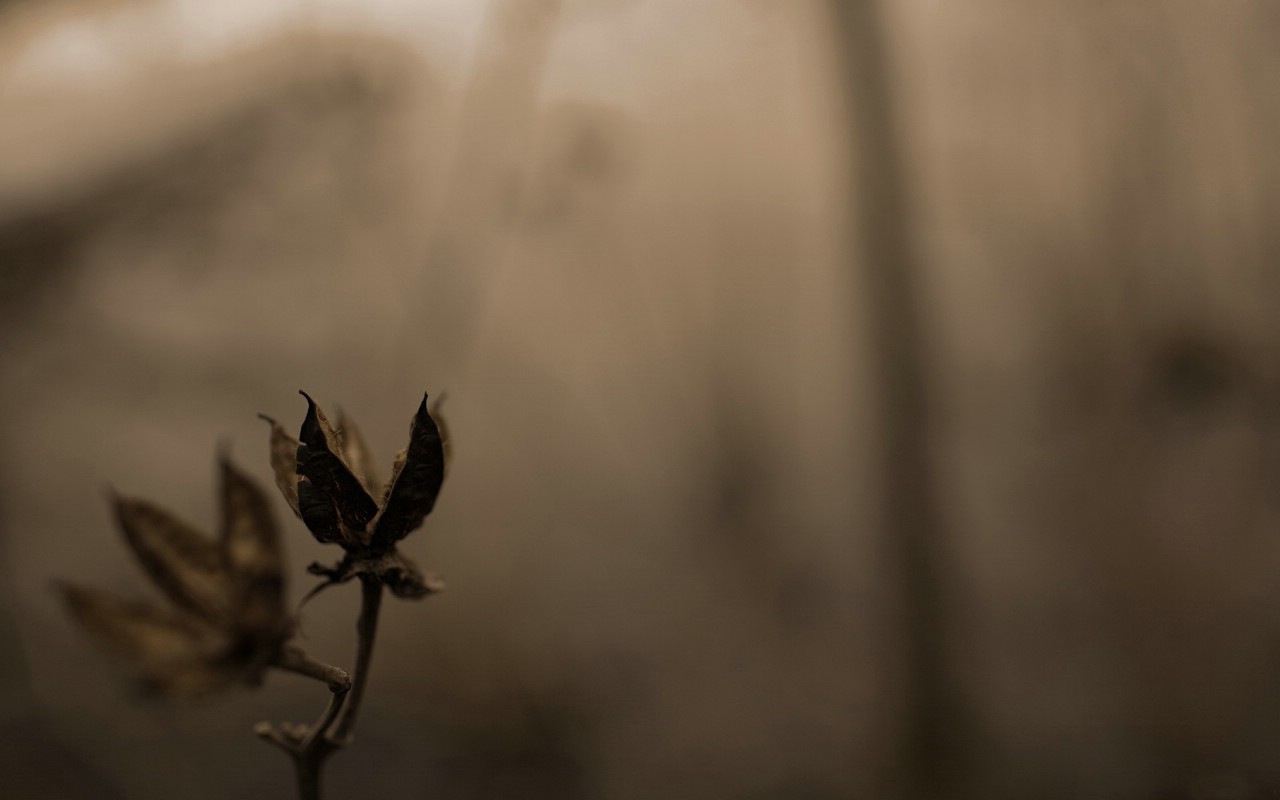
{"x": 413, "y": 489}
{"x": 356, "y": 453}
{"x": 284, "y": 462}
{"x": 172, "y": 650}
{"x": 331, "y": 500}
{"x": 185, "y": 564}
{"x": 251, "y": 543}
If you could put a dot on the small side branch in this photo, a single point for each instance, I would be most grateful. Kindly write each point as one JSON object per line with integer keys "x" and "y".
{"x": 294, "y": 660}
{"x": 306, "y": 744}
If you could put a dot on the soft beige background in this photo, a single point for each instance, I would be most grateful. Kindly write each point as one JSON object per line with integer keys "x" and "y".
{"x": 619, "y": 234}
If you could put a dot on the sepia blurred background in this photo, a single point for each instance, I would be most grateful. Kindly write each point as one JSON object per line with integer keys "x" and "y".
{"x": 848, "y": 399}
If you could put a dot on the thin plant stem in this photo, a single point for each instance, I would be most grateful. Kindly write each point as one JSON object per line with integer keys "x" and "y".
{"x": 366, "y": 633}
{"x": 311, "y": 745}
{"x": 308, "y": 774}
{"x": 309, "y": 755}
{"x": 336, "y": 701}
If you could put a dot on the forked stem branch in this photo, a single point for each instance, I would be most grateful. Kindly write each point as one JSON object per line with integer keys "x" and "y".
{"x": 311, "y": 745}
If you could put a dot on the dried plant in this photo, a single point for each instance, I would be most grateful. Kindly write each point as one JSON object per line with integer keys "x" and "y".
{"x": 226, "y": 622}
{"x": 328, "y": 478}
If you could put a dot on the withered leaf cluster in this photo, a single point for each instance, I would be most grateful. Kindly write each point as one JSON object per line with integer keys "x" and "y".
{"x": 225, "y": 620}
{"x": 329, "y": 479}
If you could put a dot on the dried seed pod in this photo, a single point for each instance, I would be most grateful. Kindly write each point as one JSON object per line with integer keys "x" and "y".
{"x": 226, "y": 619}
{"x": 336, "y": 485}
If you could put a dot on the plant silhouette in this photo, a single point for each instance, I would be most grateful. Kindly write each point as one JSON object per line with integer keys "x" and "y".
{"x": 225, "y": 621}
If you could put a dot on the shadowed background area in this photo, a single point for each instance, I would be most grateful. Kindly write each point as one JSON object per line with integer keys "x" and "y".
{"x": 847, "y": 400}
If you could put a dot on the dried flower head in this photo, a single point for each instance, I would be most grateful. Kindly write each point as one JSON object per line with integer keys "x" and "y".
{"x": 225, "y": 621}
{"x": 329, "y": 480}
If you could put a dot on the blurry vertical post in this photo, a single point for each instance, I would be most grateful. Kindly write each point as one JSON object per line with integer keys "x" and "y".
{"x": 923, "y": 759}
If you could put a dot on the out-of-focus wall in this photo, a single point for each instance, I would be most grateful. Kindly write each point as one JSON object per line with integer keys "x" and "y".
{"x": 620, "y": 236}
{"x": 1097, "y": 202}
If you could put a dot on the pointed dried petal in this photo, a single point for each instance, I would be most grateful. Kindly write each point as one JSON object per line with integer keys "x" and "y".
{"x": 176, "y": 654}
{"x": 284, "y": 462}
{"x": 182, "y": 562}
{"x": 135, "y": 628}
{"x": 333, "y": 504}
{"x": 319, "y": 513}
{"x": 356, "y": 453}
{"x": 396, "y": 466}
{"x": 443, "y": 425}
{"x": 251, "y": 544}
{"x": 412, "y": 492}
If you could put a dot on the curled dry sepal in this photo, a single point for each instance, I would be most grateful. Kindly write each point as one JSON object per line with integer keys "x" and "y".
{"x": 225, "y": 621}
{"x": 329, "y": 480}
